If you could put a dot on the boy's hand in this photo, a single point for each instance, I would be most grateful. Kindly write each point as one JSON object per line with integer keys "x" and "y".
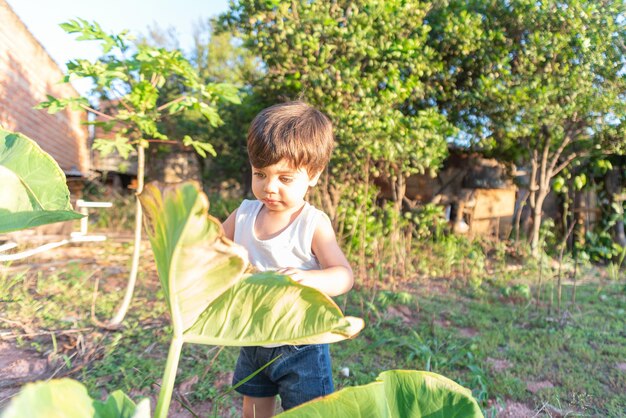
{"x": 296, "y": 274}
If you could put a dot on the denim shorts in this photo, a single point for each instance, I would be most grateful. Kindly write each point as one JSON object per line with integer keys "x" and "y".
{"x": 301, "y": 373}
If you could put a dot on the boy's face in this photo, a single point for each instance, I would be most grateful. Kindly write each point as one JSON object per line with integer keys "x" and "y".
{"x": 281, "y": 187}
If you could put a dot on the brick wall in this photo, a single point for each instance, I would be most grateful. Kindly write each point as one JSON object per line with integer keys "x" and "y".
{"x": 27, "y": 76}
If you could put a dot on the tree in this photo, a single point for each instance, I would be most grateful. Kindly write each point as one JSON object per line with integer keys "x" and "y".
{"x": 549, "y": 88}
{"x": 364, "y": 64}
{"x": 129, "y": 88}
{"x": 218, "y": 57}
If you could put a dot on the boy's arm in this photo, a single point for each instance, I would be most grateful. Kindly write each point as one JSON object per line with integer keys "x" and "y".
{"x": 229, "y": 225}
{"x": 335, "y": 277}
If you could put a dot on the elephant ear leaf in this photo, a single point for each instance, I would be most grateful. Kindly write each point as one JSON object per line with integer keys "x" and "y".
{"x": 211, "y": 299}
{"x": 195, "y": 262}
{"x": 34, "y": 191}
{"x": 69, "y": 398}
{"x": 269, "y": 308}
{"x": 395, "y": 393}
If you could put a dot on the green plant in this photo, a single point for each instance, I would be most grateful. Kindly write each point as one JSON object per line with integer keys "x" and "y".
{"x": 517, "y": 292}
{"x": 7, "y": 285}
{"x": 615, "y": 266}
{"x": 38, "y": 195}
{"x": 370, "y": 55}
{"x": 211, "y": 300}
{"x": 395, "y": 393}
{"x": 118, "y": 219}
{"x": 476, "y": 262}
{"x": 386, "y": 298}
{"x": 132, "y": 84}
{"x": 202, "y": 276}
{"x": 69, "y": 399}
{"x": 600, "y": 246}
{"x": 33, "y": 186}
{"x": 430, "y": 221}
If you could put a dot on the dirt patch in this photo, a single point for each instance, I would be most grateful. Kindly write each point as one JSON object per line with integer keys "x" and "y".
{"x": 498, "y": 365}
{"x": 197, "y": 409}
{"x": 402, "y": 312}
{"x": 17, "y": 367}
{"x": 468, "y": 332}
{"x": 534, "y": 387}
{"x": 515, "y": 410}
{"x": 621, "y": 367}
{"x": 443, "y": 323}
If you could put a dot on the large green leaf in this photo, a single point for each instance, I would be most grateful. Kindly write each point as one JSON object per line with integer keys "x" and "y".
{"x": 67, "y": 398}
{"x": 210, "y": 298}
{"x": 271, "y": 309}
{"x": 395, "y": 393}
{"x": 33, "y": 190}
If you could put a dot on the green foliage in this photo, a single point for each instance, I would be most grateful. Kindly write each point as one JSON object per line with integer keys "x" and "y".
{"x": 217, "y": 58}
{"x": 429, "y": 220}
{"x": 69, "y": 399}
{"x": 120, "y": 219}
{"x": 220, "y": 57}
{"x": 134, "y": 87}
{"x": 34, "y": 191}
{"x": 362, "y": 223}
{"x": 511, "y": 343}
{"x": 179, "y": 230}
{"x": 363, "y": 63}
{"x": 600, "y": 247}
{"x": 561, "y": 83}
{"x": 202, "y": 276}
{"x": 517, "y": 292}
{"x": 386, "y": 298}
{"x": 539, "y": 83}
{"x": 458, "y": 257}
{"x": 130, "y": 84}
{"x": 395, "y": 393}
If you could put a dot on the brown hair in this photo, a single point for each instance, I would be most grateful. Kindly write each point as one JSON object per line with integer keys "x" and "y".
{"x": 293, "y": 131}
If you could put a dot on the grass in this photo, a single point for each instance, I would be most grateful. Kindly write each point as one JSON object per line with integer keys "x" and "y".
{"x": 577, "y": 351}
{"x": 499, "y": 344}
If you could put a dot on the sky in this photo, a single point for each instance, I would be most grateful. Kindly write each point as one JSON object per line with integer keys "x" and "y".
{"x": 42, "y": 17}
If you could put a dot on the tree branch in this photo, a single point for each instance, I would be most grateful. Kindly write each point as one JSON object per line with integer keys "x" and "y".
{"x": 180, "y": 99}
{"x": 558, "y": 153}
{"x": 121, "y": 99}
{"x": 532, "y": 187}
{"x": 543, "y": 177}
{"x": 92, "y": 110}
{"x": 564, "y": 164}
{"x": 165, "y": 141}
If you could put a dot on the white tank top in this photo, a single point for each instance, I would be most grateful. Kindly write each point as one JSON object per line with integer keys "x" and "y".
{"x": 290, "y": 248}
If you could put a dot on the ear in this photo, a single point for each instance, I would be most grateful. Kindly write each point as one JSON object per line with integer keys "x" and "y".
{"x": 313, "y": 180}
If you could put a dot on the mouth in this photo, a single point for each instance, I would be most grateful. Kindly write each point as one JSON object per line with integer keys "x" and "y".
{"x": 270, "y": 201}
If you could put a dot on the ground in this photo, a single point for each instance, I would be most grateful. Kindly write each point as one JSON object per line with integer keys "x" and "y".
{"x": 521, "y": 358}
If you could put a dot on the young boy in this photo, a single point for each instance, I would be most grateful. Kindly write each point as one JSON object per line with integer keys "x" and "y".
{"x": 289, "y": 145}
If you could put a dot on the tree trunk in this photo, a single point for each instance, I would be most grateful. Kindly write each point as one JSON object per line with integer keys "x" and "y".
{"x": 533, "y": 188}
{"x": 518, "y": 214}
{"x": 611, "y": 183}
{"x": 543, "y": 169}
{"x": 536, "y": 213}
{"x": 399, "y": 191}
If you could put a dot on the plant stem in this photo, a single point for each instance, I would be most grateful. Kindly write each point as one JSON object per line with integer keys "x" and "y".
{"x": 132, "y": 278}
{"x": 169, "y": 377}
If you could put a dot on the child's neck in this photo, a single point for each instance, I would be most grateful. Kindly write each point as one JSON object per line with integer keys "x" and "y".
{"x": 271, "y": 223}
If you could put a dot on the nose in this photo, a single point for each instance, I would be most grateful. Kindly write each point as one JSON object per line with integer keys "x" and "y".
{"x": 270, "y": 186}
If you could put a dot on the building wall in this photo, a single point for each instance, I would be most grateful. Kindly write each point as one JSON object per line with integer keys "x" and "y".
{"x": 27, "y": 76}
